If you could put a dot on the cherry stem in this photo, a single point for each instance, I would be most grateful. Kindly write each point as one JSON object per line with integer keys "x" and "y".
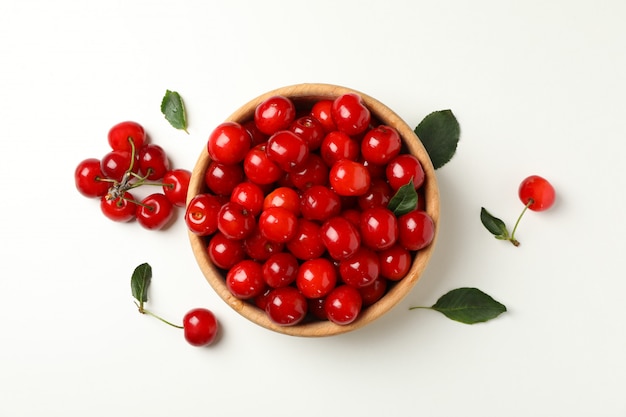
{"x": 512, "y": 238}
{"x": 148, "y": 312}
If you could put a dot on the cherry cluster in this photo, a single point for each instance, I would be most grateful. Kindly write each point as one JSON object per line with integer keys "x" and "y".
{"x": 296, "y": 208}
{"x": 131, "y": 163}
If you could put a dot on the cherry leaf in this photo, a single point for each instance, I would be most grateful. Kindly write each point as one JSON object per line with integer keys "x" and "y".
{"x": 439, "y": 132}
{"x": 495, "y": 226}
{"x": 404, "y": 200}
{"x": 140, "y": 281}
{"x": 468, "y": 305}
{"x": 173, "y": 109}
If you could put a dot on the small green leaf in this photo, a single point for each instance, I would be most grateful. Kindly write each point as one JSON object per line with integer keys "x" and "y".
{"x": 140, "y": 281}
{"x": 495, "y": 226}
{"x": 469, "y": 306}
{"x": 439, "y": 133}
{"x": 404, "y": 200}
{"x": 173, "y": 109}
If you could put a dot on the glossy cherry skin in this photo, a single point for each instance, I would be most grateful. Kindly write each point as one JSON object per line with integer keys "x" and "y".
{"x": 310, "y": 129}
{"x": 119, "y": 209}
{"x": 286, "y": 306}
{"x": 234, "y": 221}
{"x": 313, "y": 172}
{"x": 343, "y": 304}
{"x": 285, "y": 197}
{"x": 245, "y": 279}
{"x": 200, "y": 327}
{"x": 249, "y": 195}
{"x": 381, "y": 144}
{"x": 537, "y": 193}
{"x": 378, "y": 195}
{"x": 222, "y": 179}
{"x": 307, "y": 242}
{"x": 280, "y": 269}
{"x": 224, "y": 252}
{"x": 119, "y": 135}
{"x": 341, "y": 238}
{"x": 349, "y": 178}
{"x": 322, "y": 111}
{"x": 229, "y": 143}
{"x": 401, "y": 169}
{"x": 153, "y": 161}
{"x": 278, "y": 224}
{"x": 201, "y": 214}
{"x": 379, "y": 228}
{"x": 88, "y": 178}
{"x": 176, "y": 185}
{"x": 416, "y": 230}
{"x": 373, "y": 292}
{"x": 154, "y": 212}
{"x": 350, "y": 114}
{"x": 287, "y": 150}
{"x": 361, "y": 269}
{"x": 395, "y": 262}
{"x": 319, "y": 203}
{"x": 338, "y": 145}
{"x": 316, "y": 278}
{"x": 260, "y": 248}
{"x": 115, "y": 164}
{"x": 259, "y": 168}
{"x": 274, "y": 114}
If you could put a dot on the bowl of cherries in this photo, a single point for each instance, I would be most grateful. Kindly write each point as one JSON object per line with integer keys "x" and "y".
{"x": 313, "y": 210}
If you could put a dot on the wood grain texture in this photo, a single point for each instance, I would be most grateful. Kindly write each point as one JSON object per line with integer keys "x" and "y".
{"x": 309, "y": 93}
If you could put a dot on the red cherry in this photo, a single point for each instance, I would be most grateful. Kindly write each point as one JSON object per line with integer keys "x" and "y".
{"x": 307, "y": 242}
{"x": 89, "y": 179}
{"x": 402, "y": 169}
{"x": 229, "y": 143}
{"x": 350, "y": 114}
{"x": 277, "y": 224}
{"x": 395, "y": 262}
{"x": 249, "y": 195}
{"x": 341, "y": 238}
{"x": 201, "y": 214}
{"x": 119, "y": 209}
{"x": 360, "y": 269}
{"x": 119, "y": 136}
{"x": 274, "y": 114}
{"x": 245, "y": 279}
{"x": 234, "y": 221}
{"x": 286, "y": 306}
{"x": 259, "y": 168}
{"x": 416, "y": 230}
{"x": 378, "y": 195}
{"x": 537, "y": 193}
{"x": 313, "y": 172}
{"x": 287, "y": 150}
{"x": 224, "y": 252}
{"x": 200, "y": 327}
{"x": 373, "y": 292}
{"x": 115, "y": 164}
{"x": 337, "y": 146}
{"x": 349, "y": 178}
{"x": 321, "y": 111}
{"x": 316, "y": 278}
{"x": 343, "y": 304}
{"x": 280, "y": 269}
{"x": 260, "y": 248}
{"x": 319, "y": 203}
{"x": 153, "y": 162}
{"x": 176, "y": 185}
{"x": 154, "y": 212}
{"x": 285, "y": 197}
{"x": 310, "y": 129}
{"x": 379, "y": 228}
{"x": 381, "y": 144}
{"x": 222, "y": 179}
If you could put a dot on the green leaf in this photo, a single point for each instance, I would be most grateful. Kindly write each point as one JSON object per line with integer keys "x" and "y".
{"x": 439, "y": 133}
{"x": 495, "y": 226}
{"x": 140, "y": 281}
{"x": 469, "y": 306}
{"x": 173, "y": 109}
{"x": 405, "y": 199}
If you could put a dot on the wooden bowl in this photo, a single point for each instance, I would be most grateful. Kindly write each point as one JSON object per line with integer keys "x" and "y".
{"x": 302, "y": 94}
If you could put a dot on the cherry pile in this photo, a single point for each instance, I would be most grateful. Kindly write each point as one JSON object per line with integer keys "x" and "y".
{"x": 133, "y": 162}
{"x": 296, "y": 208}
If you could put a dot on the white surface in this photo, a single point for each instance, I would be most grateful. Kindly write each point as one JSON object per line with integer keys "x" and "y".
{"x": 538, "y": 87}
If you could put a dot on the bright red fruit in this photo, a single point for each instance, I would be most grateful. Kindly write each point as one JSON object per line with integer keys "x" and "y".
{"x": 287, "y": 150}
{"x": 259, "y": 168}
{"x": 245, "y": 279}
{"x": 249, "y": 195}
{"x": 537, "y": 193}
{"x": 307, "y": 242}
{"x": 201, "y": 214}
{"x": 379, "y": 228}
{"x": 286, "y": 306}
{"x": 337, "y": 146}
{"x": 274, "y": 114}
{"x": 316, "y": 278}
{"x": 343, "y": 304}
{"x": 310, "y": 129}
{"x": 349, "y": 178}
{"x": 381, "y": 144}
{"x": 224, "y": 252}
{"x": 153, "y": 161}
{"x": 119, "y": 209}
{"x": 229, "y": 143}
{"x": 154, "y": 212}
{"x": 88, "y": 178}
{"x": 285, "y": 197}
{"x": 222, "y": 179}
{"x": 416, "y": 230}
{"x": 319, "y": 203}
{"x": 402, "y": 169}
{"x": 119, "y": 136}
{"x": 200, "y": 327}
{"x": 322, "y": 111}
{"x": 280, "y": 269}
{"x": 176, "y": 185}
{"x": 361, "y": 269}
{"x": 278, "y": 224}
{"x": 260, "y": 248}
{"x": 341, "y": 238}
{"x": 395, "y": 262}
{"x": 350, "y": 114}
{"x": 115, "y": 164}
{"x": 373, "y": 292}
{"x": 234, "y": 221}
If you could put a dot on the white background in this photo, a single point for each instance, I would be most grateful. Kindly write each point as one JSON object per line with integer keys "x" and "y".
{"x": 538, "y": 88}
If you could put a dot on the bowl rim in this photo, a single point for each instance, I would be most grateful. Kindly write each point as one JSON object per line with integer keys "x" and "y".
{"x": 400, "y": 289}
